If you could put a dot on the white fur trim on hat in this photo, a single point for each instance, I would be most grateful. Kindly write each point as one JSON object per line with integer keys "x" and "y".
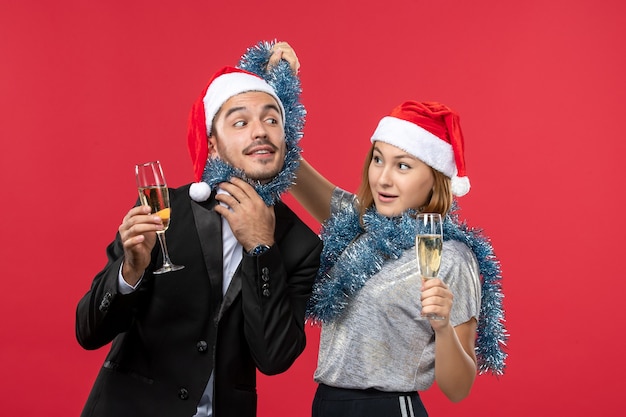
{"x": 228, "y": 85}
{"x": 417, "y": 141}
{"x": 428, "y": 148}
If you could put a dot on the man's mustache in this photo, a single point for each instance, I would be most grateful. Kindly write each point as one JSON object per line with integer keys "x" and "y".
{"x": 259, "y": 142}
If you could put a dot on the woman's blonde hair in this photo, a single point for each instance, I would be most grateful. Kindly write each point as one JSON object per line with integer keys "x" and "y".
{"x": 439, "y": 201}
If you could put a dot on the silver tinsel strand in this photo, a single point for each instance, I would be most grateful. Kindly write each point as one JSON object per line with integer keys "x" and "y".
{"x": 357, "y": 253}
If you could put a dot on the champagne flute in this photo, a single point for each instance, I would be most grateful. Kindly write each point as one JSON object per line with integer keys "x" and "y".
{"x": 153, "y": 192}
{"x": 428, "y": 245}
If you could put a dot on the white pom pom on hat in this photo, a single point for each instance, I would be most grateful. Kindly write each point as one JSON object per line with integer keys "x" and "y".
{"x": 432, "y": 133}
{"x": 225, "y": 83}
{"x": 199, "y": 191}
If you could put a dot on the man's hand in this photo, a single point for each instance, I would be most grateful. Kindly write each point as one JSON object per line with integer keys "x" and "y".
{"x": 138, "y": 233}
{"x": 251, "y": 221}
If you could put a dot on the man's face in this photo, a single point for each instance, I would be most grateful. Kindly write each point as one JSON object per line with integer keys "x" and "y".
{"x": 248, "y": 133}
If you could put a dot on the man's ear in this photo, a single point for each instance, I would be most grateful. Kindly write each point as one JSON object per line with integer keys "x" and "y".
{"x": 212, "y": 144}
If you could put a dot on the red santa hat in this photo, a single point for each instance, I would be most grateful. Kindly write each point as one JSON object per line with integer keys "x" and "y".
{"x": 225, "y": 83}
{"x": 432, "y": 133}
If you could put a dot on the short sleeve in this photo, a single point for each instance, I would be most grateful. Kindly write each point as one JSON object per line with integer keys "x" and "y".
{"x": 341, "y": 199}
{"x": 459, "y": 270}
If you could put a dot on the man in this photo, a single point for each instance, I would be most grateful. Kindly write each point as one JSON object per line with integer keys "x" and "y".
{"x": 189, "y": 342}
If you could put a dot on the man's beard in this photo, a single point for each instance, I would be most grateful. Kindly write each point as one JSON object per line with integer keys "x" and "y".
{"x": 261, "y": 179}
{"x": 255, "y": 177}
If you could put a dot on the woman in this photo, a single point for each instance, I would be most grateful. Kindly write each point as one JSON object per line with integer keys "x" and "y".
{"x": 377, "y": 348}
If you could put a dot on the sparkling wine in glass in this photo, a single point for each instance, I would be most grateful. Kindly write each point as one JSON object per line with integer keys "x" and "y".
{"x": 428, "y": 245}
{"x": 153, "y": 192}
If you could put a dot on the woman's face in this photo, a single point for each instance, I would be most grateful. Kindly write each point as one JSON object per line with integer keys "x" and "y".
{"x": 398, "y": 180}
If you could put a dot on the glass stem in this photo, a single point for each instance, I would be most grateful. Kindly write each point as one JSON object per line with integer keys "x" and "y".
{"x": 166, "y": 256}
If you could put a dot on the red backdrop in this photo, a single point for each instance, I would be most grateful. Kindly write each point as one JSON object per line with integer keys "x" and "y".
{"x": 89, "y": 88}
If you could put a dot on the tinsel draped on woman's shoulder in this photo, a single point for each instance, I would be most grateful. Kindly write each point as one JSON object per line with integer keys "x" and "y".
{"x": 492, "y": 334}
{"x": 357, "y": 252}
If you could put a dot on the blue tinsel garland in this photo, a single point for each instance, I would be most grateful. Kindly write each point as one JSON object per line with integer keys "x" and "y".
{"x": 357, "y": 253}
{"x": 287, "y": 87}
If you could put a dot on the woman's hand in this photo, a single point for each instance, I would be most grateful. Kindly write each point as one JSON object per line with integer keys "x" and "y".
{"x": 282, "y": 50}
{"x": 436, "y": 301}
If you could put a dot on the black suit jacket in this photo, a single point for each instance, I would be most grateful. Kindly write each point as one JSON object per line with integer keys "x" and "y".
{"x": 176, "y": 328}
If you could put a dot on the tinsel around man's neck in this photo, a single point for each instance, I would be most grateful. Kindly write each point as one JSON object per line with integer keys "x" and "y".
{"x": 218, "y": 170}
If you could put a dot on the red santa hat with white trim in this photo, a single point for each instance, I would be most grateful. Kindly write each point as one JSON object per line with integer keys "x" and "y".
{"x": 432, "y": 133}
{"x": 225, "y": 83}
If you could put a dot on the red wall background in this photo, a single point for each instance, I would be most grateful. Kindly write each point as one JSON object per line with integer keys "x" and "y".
{"x": 89, "y": 88}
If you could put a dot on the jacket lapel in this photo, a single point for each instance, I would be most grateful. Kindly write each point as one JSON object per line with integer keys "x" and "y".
{"x": 232, "y": 292}
{"x": 209, "y": 226}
